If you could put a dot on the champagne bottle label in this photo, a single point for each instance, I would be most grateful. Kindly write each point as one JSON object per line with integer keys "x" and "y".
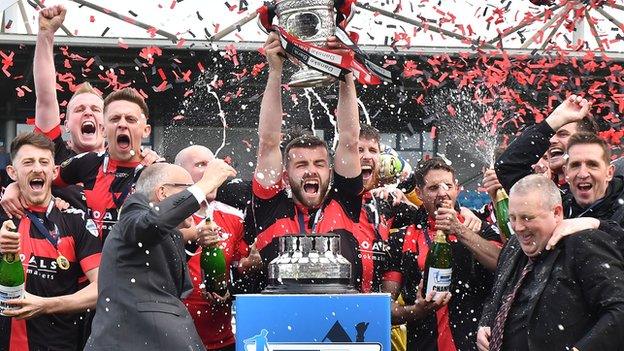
{"x": 10, "y": 293}
{"x": 439, "y": 279}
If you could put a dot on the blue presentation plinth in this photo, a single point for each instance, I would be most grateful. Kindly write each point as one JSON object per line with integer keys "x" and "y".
{"x": 354, "y": 322}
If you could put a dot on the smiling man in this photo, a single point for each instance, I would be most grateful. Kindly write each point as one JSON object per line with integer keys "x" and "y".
{"x": 437, "y": 321}
{"x": 549, "y": 137}
{"x": 108, "y": 176}
{"x": 594, "y": 190}
{"x": 56, "y": 250}
{"x": 568, "y": 298}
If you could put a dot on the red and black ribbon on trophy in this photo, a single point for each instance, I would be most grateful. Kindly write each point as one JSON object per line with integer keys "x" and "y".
{"x": 326, "y": 61}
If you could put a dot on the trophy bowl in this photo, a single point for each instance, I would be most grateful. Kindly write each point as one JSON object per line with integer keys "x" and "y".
{"x": 312, "y": 21}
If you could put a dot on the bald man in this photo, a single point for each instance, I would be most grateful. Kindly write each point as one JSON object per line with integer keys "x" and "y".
{"x": 144, "y": 269}
{"x": 213, "y": 320}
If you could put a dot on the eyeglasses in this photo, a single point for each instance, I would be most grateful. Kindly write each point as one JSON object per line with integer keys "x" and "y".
{"x": 178, "y": 185}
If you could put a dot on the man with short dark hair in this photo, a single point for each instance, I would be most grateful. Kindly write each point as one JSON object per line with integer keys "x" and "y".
{"x": 594, "y": 190}
{"x": 108, "y": 176}
{"x": 58, "y": 248}
{"x": 291, "y": 192}
{"x": 569, "y": 298}
{"x": 431, "y": 324}
{"x": 549, "y": 137}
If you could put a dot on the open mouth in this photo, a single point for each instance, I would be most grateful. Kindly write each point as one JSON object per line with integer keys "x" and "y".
{"x": 311, "y": 187}
{"x": 88, "y": 128}
{"x": 123, "y": 141}
{"x": 526, "y": 239}
{"x": 367, "y": 172}
{"x": 584, "y": 186}
{"x": 36, "y": 184}
{"x": 555, "y": 152}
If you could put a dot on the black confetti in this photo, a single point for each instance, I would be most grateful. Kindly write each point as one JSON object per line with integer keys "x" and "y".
{"x": 199, "y": 16}
{"x": 105, "y": 31}
{"x": 132, "y": 13}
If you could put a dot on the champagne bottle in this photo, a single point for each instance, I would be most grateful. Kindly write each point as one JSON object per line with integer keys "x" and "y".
{"x": 391, "y": 166}
{"x": 11, "y": 280}
{"x": 501, "y": 211}
{"x": 212, "y": 262}
{"x": 438, "y": 265}
{"x": 408, "y": 187}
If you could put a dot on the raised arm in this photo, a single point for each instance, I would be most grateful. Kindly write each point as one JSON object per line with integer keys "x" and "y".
{"x": 47, "y": 115}
{"x": 269, "y": 163}
{"x": 347, "y": 162}
{"x": 150, "y": 224}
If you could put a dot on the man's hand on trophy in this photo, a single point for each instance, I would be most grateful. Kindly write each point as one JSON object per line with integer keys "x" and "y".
{"x": 337, "y": 46}
{"x": 274, "y": 52}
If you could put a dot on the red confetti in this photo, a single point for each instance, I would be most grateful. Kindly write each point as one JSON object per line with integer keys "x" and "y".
{"x": 7, "y": 62}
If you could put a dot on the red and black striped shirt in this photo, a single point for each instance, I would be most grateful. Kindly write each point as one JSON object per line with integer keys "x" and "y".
{"x": 277, "y": 215}
{"x": 452, "y": 327}
{"x": 106, "y": 183}
{"x": 45, "y": 278}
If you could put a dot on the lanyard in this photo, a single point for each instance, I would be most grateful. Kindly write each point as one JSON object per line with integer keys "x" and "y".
{"x": 301, "y": 220}
{"x": 376, "y": 220}
{"x": 119, "y": 200}
{"x": 41, "y": 228}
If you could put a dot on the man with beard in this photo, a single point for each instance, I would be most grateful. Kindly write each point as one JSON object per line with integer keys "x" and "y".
{"x": 291, "y": 193}
{"x": 549, "y": 137}
{"x": 437, "y": 321}
{"x": 56, "y": 249}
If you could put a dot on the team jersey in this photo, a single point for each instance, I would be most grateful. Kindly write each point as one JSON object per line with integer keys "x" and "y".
{"x": 277, "y": 215}
{"x": 47, "y": 275}
{"x": 106, "y": 183}
{"x": 371, "y": 232}
{"x": 454, "y": 326}
{"x": 214, "y": 322}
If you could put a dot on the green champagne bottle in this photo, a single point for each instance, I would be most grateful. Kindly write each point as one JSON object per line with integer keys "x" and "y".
{"x": 438, "y": 265}
{"x": 212, "y": 262}
{"x": 11, "y": 280}
{"x": 501, "y": 211}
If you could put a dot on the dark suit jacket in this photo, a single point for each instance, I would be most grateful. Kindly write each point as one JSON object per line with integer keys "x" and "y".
{"x": 580, "y": 299}
{"x": 143, "y": 275}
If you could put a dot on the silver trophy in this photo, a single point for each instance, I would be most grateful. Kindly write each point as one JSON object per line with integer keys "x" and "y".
{"x": 312, "y": 21}
{"x": 309, "y": 264}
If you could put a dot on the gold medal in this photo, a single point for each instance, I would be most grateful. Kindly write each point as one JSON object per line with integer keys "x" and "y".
{"x": 63, "y": 262}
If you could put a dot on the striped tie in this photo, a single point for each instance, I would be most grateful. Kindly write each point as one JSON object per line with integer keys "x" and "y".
{"x": 496, "y": 339}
